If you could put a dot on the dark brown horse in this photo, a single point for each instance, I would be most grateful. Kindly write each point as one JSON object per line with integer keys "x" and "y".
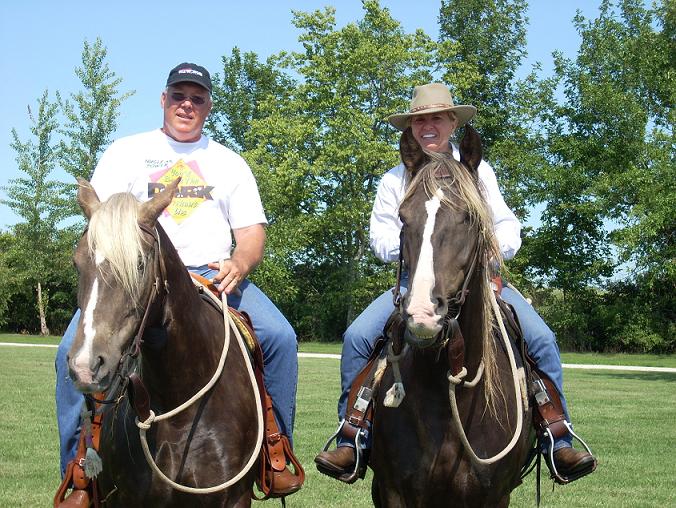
{"x": 133, "y": 283}
{"x": 449, "y": 443}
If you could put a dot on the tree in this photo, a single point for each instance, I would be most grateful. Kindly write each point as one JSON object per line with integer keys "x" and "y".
{"x": 7, "y": 276}
{"x": 238, "y": 93}
{"x": 481, "y": 46}
{"x": 38, "y": 200}
{"x": 610, "y": 177}
{"x": 318, "y": 156}
{"x": 91, "y": 116}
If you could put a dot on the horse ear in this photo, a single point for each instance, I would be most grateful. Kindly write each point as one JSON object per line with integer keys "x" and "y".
{"x": 470, "y": 148}
{"x": 87, "y": 198}
{"x": 411, "y": 152}
{"x": 151, "y": 210}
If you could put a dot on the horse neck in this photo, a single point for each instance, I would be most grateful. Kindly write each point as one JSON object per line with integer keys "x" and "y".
{"x": 194, "y": 334}
{"x": 471, "y": 320}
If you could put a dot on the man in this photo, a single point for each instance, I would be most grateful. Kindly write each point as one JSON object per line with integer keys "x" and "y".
{"x": 217, "y": 195}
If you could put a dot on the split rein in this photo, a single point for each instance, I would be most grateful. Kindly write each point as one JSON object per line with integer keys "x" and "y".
{"x": 457, "y": 373}
{"x": 135, "y": 349}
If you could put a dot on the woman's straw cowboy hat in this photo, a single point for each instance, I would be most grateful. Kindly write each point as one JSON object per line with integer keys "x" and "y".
{"x": 431, "y": 98}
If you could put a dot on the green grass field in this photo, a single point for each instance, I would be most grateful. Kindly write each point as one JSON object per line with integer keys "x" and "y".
{"x": 627, "y": 417}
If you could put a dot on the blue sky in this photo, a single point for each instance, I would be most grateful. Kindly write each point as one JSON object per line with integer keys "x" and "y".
{"x": 43, "y": 39}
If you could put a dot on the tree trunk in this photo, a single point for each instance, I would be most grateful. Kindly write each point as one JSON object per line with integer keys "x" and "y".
{"x": 353, "y": 274}
{"x": 41, "y": 309}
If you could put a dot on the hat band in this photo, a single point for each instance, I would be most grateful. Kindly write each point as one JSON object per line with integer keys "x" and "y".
{"x": 429, "y": 106}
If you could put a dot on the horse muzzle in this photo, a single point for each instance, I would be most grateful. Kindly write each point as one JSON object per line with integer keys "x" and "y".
{"x": 421, "y": 336}
{"x": 89, "y": 375}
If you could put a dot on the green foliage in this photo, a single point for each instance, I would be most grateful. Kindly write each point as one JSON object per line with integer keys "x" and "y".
{"x": 42, "y": 243}
{"x": 608, "y": 185}
{"x": 482, "y": 44}
{"x": 91, "y": 117}
{"x": 7, "y": 276}
{"x": 237, "y": 94}
{"x": 591, "y": 146}
{"x": 318, "y": 155}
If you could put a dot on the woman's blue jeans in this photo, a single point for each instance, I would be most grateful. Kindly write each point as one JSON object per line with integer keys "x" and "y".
{"x": 280, "y": 355}
{"x": 360, "y": 337}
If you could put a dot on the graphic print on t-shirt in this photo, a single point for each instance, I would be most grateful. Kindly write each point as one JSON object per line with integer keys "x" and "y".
{"x": 192, "y": 191}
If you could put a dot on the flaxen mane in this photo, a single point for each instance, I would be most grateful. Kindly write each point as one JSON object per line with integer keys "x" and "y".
{"x": 464, "y": 192}
{"x": 114, "y": 236}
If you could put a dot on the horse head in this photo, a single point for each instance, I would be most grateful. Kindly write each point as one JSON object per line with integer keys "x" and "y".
{"x": 446, "y": 230}
{"x": 116, "y": 264}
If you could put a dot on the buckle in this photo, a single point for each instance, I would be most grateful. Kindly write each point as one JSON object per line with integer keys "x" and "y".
{"x": 363, "y": 399}
{"x": 540, "y": 392}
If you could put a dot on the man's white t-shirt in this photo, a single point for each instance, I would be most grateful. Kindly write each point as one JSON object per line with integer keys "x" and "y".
{"x": 217, "y": 191}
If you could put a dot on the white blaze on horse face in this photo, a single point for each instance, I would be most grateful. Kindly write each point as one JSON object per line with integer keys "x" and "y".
{"x": 421, "y": 308}
{"x": 82, "y": 359}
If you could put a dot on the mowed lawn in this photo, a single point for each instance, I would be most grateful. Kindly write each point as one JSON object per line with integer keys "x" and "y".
{"x": 627, "y": 417}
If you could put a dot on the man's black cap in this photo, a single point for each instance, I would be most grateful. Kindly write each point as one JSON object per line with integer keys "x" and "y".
{"x": 190, "y": 72}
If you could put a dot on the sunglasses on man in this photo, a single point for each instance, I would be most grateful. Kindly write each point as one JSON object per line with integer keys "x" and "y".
{"x": 180, "y": 98}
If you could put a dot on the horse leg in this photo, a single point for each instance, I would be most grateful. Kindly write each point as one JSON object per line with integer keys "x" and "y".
{"x": 385, "y": 498}
{"x": 375, "y": 493}
{"x": 504, "y": 502}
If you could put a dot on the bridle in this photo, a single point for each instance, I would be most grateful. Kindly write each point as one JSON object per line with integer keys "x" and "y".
{"x": 455, "y": 303}
{"x": 129, "y": 359}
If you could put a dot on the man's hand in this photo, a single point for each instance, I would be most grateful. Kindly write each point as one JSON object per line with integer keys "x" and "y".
{"x": 248, "y": 253}
{"x": 230, "y": 274}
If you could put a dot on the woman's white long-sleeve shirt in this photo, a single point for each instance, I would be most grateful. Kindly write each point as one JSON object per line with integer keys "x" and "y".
{"x": 385, "y": 225}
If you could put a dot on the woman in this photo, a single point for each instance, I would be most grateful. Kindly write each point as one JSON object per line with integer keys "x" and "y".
{"x": 428, "y": 125}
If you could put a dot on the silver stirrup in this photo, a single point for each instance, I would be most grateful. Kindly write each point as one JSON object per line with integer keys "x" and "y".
{"x": 548, "y": 434}
{"x": 358, "y": 449}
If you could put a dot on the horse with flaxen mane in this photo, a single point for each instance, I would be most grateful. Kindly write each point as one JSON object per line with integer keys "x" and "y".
{"x": 141, "y": 312}
{"x": 461, "y": 433}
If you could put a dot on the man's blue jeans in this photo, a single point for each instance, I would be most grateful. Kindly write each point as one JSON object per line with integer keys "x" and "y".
{"x": 360, "y": 337}
{"x": 280, "y": 354}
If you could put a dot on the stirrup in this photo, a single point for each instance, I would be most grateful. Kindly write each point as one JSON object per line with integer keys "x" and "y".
{"x": 359, "y": 469}
{"x": 558, "y": 478}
